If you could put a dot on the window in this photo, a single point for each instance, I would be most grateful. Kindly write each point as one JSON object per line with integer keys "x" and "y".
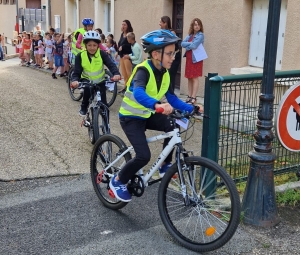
{"x": 6, "y": 2}
{"x": 12, "y": 1}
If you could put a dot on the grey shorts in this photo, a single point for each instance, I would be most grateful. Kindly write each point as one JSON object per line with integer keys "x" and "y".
{"x": 49, "y": 56}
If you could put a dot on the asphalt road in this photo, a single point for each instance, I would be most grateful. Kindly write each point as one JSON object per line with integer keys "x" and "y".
{"x": 47, "y": 203}
{"x": 66, "y": 217}
{"x": 40, "y": 128}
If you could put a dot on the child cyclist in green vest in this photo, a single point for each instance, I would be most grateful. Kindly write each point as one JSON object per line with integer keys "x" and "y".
{"x": 89, "y": 65}
{"x": 148, "y": 83}
{"x": 77, "y": 42}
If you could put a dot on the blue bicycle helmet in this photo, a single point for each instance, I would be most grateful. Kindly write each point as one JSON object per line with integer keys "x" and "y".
{"x": 158, "y": 39}
{"x": 87, "y": 21}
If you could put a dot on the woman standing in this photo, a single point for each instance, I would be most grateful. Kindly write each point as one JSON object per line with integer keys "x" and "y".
{"x": 165, "y": 23}
{"x": 125, "y": 49}
{"x": 193, "y": 69}
{"x": 2, "y": 56}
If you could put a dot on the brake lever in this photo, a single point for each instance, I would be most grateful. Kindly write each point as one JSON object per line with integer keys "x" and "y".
{"x": 200, "y": 114}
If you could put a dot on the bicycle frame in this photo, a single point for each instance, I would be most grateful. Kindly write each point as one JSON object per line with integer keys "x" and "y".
{"x": 175, "y": 139}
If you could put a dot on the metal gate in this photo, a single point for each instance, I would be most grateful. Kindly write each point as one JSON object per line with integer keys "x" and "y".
{"x": 29, "y": 18}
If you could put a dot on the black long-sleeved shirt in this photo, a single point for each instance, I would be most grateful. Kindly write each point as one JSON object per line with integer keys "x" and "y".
{"x": 106, "y": 61}
{"x": 126, "y": 46}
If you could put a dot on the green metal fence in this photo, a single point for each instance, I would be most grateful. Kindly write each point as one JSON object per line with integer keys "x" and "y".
{"x": 232, "y": 103}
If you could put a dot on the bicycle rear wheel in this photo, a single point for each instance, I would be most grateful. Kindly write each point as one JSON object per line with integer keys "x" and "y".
{"x": 107, "y": 148}
{"x": 100, "y": 123}
{"x": 75, "y": 94}
{"x": 209, "y": 215}
{"x": 111, "y": 89}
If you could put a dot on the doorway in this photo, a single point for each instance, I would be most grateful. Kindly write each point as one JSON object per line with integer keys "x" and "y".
{"x": 33, "y": 4}
{"x": 259, "y": 31}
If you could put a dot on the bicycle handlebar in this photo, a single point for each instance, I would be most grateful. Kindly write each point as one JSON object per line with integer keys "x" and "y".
{"x": 83, "y": 84}
{"x": 178, "y": 114}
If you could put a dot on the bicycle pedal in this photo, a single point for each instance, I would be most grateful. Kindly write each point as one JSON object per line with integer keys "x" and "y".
{"x": 99, "y": 177}
{"x": 85, "y": 123}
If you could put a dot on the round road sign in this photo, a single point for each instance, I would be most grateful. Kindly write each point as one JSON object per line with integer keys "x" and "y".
{"x": 287, "y": 124}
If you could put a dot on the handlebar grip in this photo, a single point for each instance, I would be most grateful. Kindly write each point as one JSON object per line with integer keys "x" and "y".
{"x": 159, "y": 110}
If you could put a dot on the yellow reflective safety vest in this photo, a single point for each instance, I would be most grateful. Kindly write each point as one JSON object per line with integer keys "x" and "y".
{"x": 74, "y": 50}
{"x": 130, "y": 107}
{"x": 93, "y": 70}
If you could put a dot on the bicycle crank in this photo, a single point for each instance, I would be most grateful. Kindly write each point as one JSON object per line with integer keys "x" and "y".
{"x": 136, "y": 186}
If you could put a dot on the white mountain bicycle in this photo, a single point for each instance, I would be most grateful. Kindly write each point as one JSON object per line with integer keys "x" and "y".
{"x": 198, "y": 201}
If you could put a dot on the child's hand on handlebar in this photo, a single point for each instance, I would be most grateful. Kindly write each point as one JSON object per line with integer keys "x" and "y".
{"x": 168, "y": 109}
{"x": 74, "y": 84}
{"x": 116, "y": 78}
{"x": 201, "y": 108}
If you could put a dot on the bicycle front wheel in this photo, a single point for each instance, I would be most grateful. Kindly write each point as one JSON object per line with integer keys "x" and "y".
{"x": 107, "y": 148}
{"x": 201, "y": 210}
{"x": 111, "y": 89}
{"x": 100, "y": 123}
{"x": 75, "y": 94}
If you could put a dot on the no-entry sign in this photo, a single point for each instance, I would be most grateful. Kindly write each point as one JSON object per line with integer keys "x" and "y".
{"x": 287, "y": 124}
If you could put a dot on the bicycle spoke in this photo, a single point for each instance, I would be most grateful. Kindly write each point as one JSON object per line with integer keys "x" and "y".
{"x": 205, "y": 216}
{"x": 106, "y": 150}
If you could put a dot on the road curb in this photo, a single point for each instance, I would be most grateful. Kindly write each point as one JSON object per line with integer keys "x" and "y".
{"x": 11, "y": 56}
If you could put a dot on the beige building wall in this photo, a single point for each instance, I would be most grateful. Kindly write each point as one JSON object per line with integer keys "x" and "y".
{"x": 226, "y": 40}
{"x": 7, "y": 25}
{"x": 58, "y": 8}
{"x": 227, "y": 30}
{"x": 71, "y": 16}
{"x": 227, "y": 35}
{"x": 142, "y": 16}
{"x": 86, "y": 10}
{"x": 291, "y": 50}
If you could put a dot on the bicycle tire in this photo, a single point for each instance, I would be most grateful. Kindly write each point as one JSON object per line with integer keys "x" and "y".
{"x": 105, "y": 150}
{"x": 215, "y": 212}
{"x": 110, "y": 94}
{"x": 75, "y": 94}
{"x": 100, "y": 124}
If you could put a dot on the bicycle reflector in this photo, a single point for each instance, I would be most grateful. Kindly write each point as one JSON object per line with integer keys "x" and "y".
{"x": 210, "y": 231}
{"x": 111, "y": 194}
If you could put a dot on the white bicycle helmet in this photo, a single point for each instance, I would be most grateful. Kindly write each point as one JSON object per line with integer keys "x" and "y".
{"x": 91, "y": 35}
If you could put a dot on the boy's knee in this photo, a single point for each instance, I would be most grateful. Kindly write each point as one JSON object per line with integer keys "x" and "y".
{"x": 143, "y": 157}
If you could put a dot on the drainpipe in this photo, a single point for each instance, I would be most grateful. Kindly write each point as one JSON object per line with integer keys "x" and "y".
{"x": 77, "y": 13}
{"x": 112, "y": 17}
{"x": 17, "y": 16}
{"x": 96, "y": 13}
{"x": 49, "y": 13}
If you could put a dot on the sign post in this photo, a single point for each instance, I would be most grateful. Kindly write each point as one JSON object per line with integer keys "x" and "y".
{"x": 259, "y": 203}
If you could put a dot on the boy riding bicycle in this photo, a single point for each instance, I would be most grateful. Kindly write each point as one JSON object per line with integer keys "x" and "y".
{"x": 149, "y": 82}
{"x": 89, "y": 65}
